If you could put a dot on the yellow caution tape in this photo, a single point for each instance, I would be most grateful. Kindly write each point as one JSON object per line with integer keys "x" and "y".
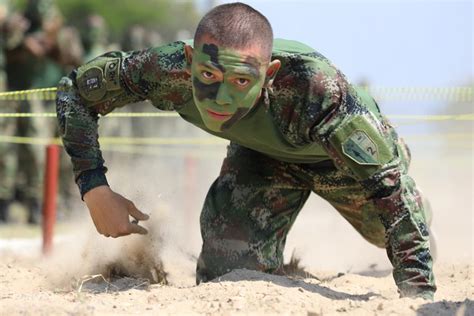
{"x": 162, "y": 141}
{"x": 440, "y": 137}
{"x": 207, "y": 141}
{"x": 195, "y": 141}
{"x": 457, "y": 117}
{"x": 129, "y": 147}
{"x": 454, "y": 94}
{"x": 120, "y": 114}
{"x": 450, "y": 94}
{"x": 30, "y": 140}
{"x": 193, "y": 152}
{"x": 46, "y": 94}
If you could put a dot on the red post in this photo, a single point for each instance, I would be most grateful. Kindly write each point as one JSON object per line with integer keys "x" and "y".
{"x": 49, "y": 197}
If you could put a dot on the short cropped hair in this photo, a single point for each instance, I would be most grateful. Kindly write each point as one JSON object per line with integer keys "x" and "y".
{"x": 236, "y": 25}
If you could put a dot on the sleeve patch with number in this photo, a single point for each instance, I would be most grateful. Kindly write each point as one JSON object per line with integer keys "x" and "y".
{"x": 360, "y": 148}
{"x": 363, "y": 149}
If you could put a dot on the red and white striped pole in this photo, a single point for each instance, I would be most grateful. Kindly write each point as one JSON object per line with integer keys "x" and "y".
{"x": 49, "y": 197}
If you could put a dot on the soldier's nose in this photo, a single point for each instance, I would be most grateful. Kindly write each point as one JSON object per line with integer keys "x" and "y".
{"x": 223, "y": 97}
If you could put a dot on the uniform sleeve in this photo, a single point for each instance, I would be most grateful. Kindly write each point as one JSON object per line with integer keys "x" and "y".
{"x": 361, "y": 143}
{"x": 108, "y": 82}
{"x": 306, "y": 89}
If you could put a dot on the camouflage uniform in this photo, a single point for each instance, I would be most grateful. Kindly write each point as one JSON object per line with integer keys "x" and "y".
{"x": 137, "y": 38}
{"x": 312, "y": 131}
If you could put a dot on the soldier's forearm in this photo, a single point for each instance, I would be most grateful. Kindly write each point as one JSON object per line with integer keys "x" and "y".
{"x": 408, "y": 240}
{"x": 95, "y": 87}
{"x": 78, "y": 128}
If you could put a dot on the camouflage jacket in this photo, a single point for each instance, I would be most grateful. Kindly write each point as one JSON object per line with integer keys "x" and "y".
{"x": 309, "y": 115}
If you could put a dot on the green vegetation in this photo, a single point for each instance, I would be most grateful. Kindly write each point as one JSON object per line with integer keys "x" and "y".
{"x": 165, "y": 16}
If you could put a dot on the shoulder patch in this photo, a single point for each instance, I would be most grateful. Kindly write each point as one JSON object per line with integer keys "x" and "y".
{"x": 91, "y": 84}
{"x": 361, "y": 148}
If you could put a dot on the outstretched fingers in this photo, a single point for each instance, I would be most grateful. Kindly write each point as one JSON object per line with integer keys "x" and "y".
{"x": 137, "y": 229}
{"x": 136, "y": 213}
{"x": 133, "y": 227}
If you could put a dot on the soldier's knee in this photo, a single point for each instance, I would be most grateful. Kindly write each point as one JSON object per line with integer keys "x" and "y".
{"x": 374, "y": 232}
{"x": 220, "y": 256}
{"x": 213, "y": 263}
{"x": 377, "y": 239}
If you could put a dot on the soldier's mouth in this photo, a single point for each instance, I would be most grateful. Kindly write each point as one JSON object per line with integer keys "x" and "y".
{"x": 219, "y": 116}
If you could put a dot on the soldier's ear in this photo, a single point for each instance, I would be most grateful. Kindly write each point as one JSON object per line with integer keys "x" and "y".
{"x": 188, "y": 53}
{"x": 271, "y": 72}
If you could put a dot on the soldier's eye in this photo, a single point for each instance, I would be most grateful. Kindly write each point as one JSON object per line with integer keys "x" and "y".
{"x": 207, "y": 75}
{"x": 242, "y": 82}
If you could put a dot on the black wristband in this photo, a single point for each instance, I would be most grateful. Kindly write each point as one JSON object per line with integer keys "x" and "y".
{"x": 90, "y": 179}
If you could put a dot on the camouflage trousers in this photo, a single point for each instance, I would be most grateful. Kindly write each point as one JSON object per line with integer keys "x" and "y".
{"x": 252, "y": 205}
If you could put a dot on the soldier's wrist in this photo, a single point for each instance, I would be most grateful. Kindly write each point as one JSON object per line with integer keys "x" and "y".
{"x": 91, "y": 179}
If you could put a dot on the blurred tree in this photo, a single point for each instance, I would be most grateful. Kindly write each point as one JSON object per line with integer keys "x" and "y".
{"x": 166, "y": 16}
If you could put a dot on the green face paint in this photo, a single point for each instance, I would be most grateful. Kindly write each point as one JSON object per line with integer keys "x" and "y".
{"x": 226, "y": 85}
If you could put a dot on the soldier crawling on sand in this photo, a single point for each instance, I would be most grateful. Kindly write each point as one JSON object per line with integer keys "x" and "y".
{"x": 295, "y": 126}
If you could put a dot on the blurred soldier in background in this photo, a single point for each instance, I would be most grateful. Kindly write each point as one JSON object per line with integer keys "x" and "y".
{"x": 12, "y": 28}
{"x": 4, "y": 194}
{"x": 44, "y": 53}
{"x": 138, "y": 37}
{"x": 94, "y": 37}
{"x": 35, "y": 49}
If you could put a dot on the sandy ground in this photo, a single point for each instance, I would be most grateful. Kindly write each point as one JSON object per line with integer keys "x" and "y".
{"x": 348, "y": 276}
{"x": 29, "y": 288}
{"x": 80, "y": 278}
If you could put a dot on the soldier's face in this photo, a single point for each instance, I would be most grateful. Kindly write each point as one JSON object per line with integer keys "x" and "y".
{"x": 226, "y": 83}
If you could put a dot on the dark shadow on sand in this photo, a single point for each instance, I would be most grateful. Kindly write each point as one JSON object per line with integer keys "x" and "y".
{"x": 374, "y": 273}
{"x": 447, "y": 308}
{"x": 288, "y": 282}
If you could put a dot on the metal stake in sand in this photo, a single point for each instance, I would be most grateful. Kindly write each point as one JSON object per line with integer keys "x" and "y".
{"x": 49, "y": 197}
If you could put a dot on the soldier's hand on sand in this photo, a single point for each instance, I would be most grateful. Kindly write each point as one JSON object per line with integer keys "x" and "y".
{"x": 110, "y": 213}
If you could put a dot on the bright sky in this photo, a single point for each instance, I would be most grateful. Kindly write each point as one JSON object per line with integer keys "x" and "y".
{"x": 391, "y": 43}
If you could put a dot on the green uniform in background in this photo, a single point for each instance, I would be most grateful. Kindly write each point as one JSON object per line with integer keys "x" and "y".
{"x": 5, "y": 130}
{"x": 12, "y": 29}
{"x": 3, "y": 16}
{"x": 312, "y": 132}
{"x": 27, "y": 69}
{"x": 94, "y": 37}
